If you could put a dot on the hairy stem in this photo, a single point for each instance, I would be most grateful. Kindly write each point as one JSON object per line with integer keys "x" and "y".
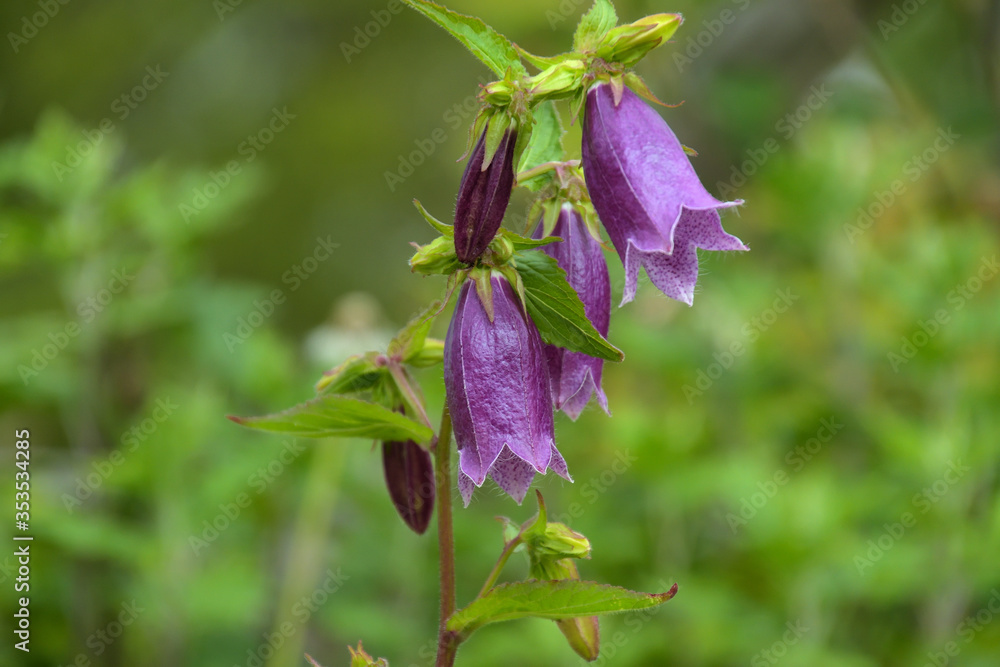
{"x": 447, "y": 641}
{"x": 495, "y": 572}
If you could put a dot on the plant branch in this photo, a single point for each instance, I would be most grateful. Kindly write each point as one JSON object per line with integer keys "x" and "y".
{"x": 495, "y": 572}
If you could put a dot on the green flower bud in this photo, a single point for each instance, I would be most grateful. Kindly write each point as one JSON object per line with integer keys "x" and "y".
{"x": 627, "y": 44}
{"x": 559, "y": 80}
{"x": 558, "y": 541}
{"x": 436, "y": 258}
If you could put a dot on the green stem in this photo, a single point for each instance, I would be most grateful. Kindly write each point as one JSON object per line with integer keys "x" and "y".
{"x": 447, "y": 641}
{"x": 495, "y": 573}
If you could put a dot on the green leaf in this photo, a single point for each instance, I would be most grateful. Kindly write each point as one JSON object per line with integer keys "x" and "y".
{"x": 335, "y": 416}
{"x": 358, "y": 373}
{"x": 493, "y": 49}
{"x": 553, "y": 600}
{"x": 594, "y": 24}
{"x": 409, "y": 342}
{"x": 442, "y": 228}
{"x": 556, "y": 308}
{"x": 545, "y": 146}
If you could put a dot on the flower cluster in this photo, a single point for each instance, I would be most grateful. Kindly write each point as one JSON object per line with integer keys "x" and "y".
{"x": 502, "y": 382}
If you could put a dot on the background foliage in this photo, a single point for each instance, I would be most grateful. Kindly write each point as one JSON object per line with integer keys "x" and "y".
{"x": 767, "y": 451}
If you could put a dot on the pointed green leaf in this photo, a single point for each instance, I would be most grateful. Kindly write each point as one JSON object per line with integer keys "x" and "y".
{"x": 552, "y": 600}
{"x": 556, "y": 308}
{"x": 441, "y": 227}
{"x": 594, "y": 24}
{"x": 410, "y": 340}
{"x": 493, "y": 49}
{"x": 335, "y": 416}
{"x": 545, "y": 146}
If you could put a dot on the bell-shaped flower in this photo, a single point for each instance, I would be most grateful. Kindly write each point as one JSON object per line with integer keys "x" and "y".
{"x": 498, "y": 393}
{"x": 647, "y": 194}
{"x": 483, "y": 197}
{"x": 575, "y": 376}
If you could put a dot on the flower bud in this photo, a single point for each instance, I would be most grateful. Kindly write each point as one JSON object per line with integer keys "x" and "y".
{"x": 559, "y": 80}
{"x": 483, "y": 197}
{"x": 627, "y": 44}
{"x": 409, "y": 474}
{"x": 435, "y": 258}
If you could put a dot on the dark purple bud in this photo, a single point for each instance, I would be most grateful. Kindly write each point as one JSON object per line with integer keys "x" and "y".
{"x": 576, "y": 376}
{"x": 409, "y": 474}
{"x": 648, "y": 195}
{"x": 483, "y": 197}
{"x": 498, "y": 394}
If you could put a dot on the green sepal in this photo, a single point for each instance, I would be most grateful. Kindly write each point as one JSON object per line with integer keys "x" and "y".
{"x": 499, "y": 124}
{"x": 490, "y": 47}
{"x": 442, "y": 228}
{"x": 635, "y": 82}
{"x": 546, "y": 146}
{"x": 594, "y": 25}
{"x": 431, "y": 354}
{"x": 556, "y": 309}
{"x": 484, "y": 289}
{"x": 520, "y": 243}
{"x": 553, "y": 600}
{"x": 361, "y": 658}
{"x": 410, "y": 340}
{"x": 542, "y": 62}
{"x": 360, "y": 372}
{"x": 337, "y": 416}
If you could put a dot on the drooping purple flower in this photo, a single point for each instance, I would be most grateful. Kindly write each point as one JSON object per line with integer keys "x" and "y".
{"x": 498, "y": 394}
{"x": 483, "y": 197}
{"x": 575, "y": 376}
{"x": 647, "y": 194}
{"x": 409, "y": 474}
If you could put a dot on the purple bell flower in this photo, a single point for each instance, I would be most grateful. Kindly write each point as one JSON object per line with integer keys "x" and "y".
{"x": 498, "y": 394}
{"x": 575, "y": 376}
{"x": 483, "y": 197}
{"x": 647, "y": 194}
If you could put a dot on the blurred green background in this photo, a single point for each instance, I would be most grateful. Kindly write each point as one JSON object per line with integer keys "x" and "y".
{"x": 196, "y": 220}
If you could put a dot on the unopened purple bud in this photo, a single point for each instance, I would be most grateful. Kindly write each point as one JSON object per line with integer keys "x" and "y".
{"x": 409, "y": 474}
{"x": 647, "y": 194}
{"x": 498, "y": 394}
{"x": 575, "y": 376}
{"x": 483, "y": 197}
